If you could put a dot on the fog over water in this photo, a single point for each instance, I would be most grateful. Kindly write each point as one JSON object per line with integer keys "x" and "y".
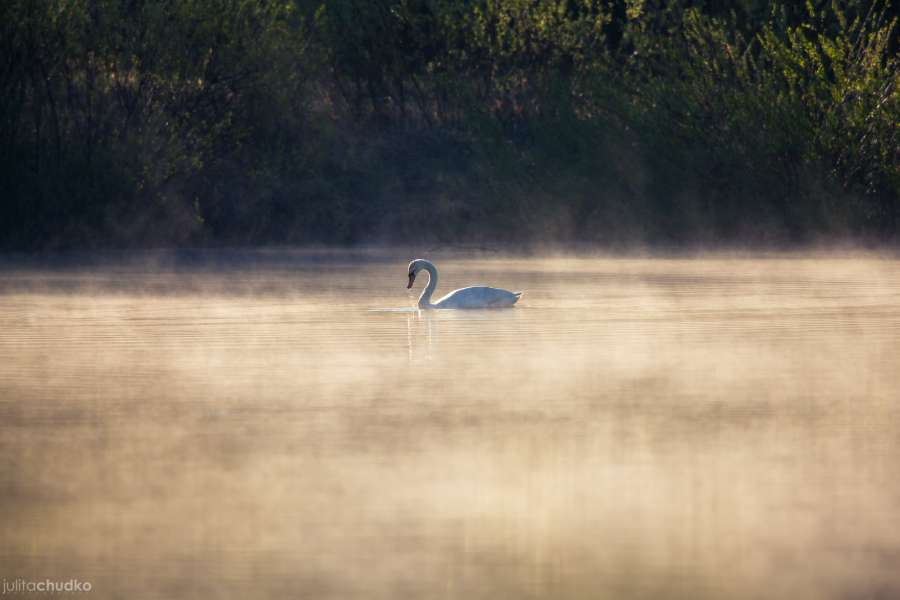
{"x": 285, "y": 424}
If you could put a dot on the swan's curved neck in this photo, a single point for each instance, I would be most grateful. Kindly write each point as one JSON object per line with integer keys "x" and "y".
{"x": 425, "y": 298}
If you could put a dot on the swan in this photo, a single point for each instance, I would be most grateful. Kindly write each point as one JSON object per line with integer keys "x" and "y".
{"x": 467, "y": 297}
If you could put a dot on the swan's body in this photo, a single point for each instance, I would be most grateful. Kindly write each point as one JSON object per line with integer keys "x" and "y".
{"x": 467, "y": 297}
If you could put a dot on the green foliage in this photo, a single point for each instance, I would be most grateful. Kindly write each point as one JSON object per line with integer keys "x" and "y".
{"x": 111, "y": 109}
{"x": 249, "y": 121}
{"x": 786, "y": 130}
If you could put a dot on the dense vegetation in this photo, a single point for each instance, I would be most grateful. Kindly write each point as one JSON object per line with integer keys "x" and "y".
{"x": 138, "y": 122}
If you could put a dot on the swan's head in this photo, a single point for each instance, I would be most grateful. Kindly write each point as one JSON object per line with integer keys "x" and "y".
{"x": 414, "y": 267}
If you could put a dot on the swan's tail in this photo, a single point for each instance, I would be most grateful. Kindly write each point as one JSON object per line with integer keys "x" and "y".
{"x": 517, "y": 295}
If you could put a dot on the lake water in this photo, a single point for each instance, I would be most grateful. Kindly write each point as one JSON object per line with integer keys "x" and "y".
{"x": 283, "y": 424}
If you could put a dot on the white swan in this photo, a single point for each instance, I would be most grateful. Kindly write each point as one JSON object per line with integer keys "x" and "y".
{"x": 467, "y": 297}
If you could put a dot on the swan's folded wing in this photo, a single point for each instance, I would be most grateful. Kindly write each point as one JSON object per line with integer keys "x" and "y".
{"x": 477, "y": 297}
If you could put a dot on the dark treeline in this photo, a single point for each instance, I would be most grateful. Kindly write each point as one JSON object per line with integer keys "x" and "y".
{"x": 192, "y": 122}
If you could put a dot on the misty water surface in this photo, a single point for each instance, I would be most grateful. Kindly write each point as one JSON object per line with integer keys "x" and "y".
{"x": 257, "y": 425}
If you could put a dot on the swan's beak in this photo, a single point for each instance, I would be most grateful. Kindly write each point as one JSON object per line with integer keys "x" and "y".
{"x": 412, "y": 278}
